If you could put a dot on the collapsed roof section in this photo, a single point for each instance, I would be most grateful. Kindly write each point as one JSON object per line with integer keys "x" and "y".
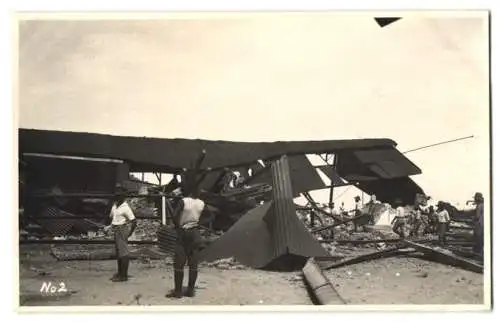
{"x": 269, "y": 236}
{"x": 377, "y": 158}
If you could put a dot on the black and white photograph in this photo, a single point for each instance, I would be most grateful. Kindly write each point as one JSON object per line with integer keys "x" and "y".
{"x": 254, "y": 159}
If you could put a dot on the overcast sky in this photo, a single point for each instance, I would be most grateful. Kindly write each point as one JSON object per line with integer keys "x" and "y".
{"x": 267, "y": 77}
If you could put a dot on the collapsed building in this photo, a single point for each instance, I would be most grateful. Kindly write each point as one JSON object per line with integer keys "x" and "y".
{"x": 67, "y": 180}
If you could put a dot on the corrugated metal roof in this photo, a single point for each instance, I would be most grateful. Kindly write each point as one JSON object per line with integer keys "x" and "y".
{"x": 304, "y": 176}
{"x": 387, "y": 190}
{"x": 270, "y": 232}
{"x": 169, "y": 155}
{"x": 332, "y": 175}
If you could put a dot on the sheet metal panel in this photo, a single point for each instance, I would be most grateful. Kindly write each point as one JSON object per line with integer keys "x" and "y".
{"x": 168, "y": 155}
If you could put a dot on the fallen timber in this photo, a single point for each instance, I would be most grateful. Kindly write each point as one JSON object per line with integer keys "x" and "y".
{"x": 391, "y": 251}
{"x": 320, "y": 229}
{"x": 321, "y": 287}
{"x": 441, "y": 255}
{"x": 447, "y": 257}
{"x": 314, "y": 206}
{"x": 373, "y": 241}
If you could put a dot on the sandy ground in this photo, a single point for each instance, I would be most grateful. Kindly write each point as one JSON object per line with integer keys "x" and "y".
{"x": 90, "y": 281}
{"x": 406, "y": 281}
{"x": 374, "y": 282}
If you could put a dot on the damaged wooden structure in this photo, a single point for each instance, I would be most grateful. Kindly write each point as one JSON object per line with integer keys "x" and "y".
{"x": 273, "y": 173}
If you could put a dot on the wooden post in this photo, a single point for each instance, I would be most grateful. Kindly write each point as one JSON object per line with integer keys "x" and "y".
{"x": 330, "y": 201}
{"x": 163, "y": 211}
{"x": 322, "y": 288}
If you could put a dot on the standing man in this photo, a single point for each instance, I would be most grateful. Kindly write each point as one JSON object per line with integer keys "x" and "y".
{"x": 399, "y": 222}
{"x": 123, "y": 224}
{"x": 416, "y": 218}
{"x": 186, "y": 218}
{"x": 373, "y": 201}
{"x": 358, "y": 205}
{"x": 479, "y": 223}
{"x": 443, "y": 218}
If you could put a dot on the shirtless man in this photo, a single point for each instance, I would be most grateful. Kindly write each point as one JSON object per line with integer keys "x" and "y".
{"x": 189, "y": 242}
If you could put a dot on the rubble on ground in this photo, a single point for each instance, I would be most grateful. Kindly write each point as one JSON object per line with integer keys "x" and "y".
{"x": 143, "y": 207}
{"x": 225, "y": 263}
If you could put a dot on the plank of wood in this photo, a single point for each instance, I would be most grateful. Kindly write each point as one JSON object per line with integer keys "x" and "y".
{"x": 373, "y": 241}
{"x": 391, "y": 251}
{"x": 445, "y": 257}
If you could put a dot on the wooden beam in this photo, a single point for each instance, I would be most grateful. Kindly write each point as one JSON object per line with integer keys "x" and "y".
{"x": 85, "y": 241}
{"x": 370, "y": 256}
{"x": 372, "y": 241}
{"x": 446, "y": 258}
{"x": 69, "y": 157}
{"x": 78, "y": 217}
{"x": 315, "y": 207}
{"x": 84, "y": 195}
{"x": 323, "y": 289}
{"x": 158, "y": 177}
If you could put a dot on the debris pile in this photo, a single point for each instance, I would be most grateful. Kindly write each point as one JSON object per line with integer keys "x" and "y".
{"x": 146, "y": 230}
{"x": 226, "y": 263}
{"x": 143, "y": 207}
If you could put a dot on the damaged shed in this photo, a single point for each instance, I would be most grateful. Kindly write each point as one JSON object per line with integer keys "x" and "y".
{"x": 272, "y": 172}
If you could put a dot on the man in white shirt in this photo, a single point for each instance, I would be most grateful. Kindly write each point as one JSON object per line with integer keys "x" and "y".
{"x": 123, "y": 223}
{"x": 186, "y": 217}
{"x": 443, "y": 218}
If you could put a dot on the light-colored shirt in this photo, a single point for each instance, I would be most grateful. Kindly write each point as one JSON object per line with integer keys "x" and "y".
{"x": 358, "y": 205}
{"x": 443, "y": 216}
{"x": 191, "y": 212}
{"x": 400, "y": 212}
{"x": 121, "y": 214}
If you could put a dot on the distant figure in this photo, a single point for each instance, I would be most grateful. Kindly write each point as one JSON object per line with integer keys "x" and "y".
{"x": 399, "y": 222}
{"x": 443, "y": 218}
{"x": 361, "y": 221}
{"x": 373, "y": 201}
{"x": 123, "y": 223}
{"x": 358, "y": 205}
{"x": 416, "y": 221}
{"x": 342, "y": 209}
{"x": 186, "y": 216}
{"x": 479, "y": 223}
{"x": 431, "y": 226}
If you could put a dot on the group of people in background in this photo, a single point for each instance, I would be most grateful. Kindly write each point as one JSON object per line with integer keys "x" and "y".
{"x": 436, "y": 220}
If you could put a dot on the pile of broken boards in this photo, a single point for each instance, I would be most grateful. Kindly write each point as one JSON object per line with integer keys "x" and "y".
{"x": 380, "y": 242}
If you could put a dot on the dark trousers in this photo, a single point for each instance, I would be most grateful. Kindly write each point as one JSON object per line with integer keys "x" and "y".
{"x": 478, "y": 238}
{"x": 187, "y": 251}
{"x": 398, "y": 227}
{"x": 121, "y": 234}
{"x": 416, "y": 227}
{"x": 121, "y": 240}
{"x": 442, "y": 228}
